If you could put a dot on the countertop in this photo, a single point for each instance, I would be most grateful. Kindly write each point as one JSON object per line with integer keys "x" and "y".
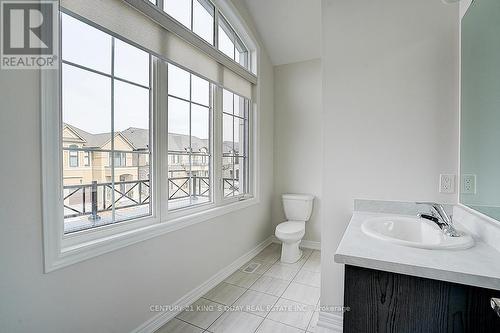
{"x": 477, "y": 266}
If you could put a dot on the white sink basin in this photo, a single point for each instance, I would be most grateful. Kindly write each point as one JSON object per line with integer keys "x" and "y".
{"x": 413, "y": 232}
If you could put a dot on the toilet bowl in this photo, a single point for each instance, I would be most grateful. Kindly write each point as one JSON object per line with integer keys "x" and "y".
{"x": 298, "y": 208}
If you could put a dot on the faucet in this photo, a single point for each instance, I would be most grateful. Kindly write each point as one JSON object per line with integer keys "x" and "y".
{"x": 441, "y": 218}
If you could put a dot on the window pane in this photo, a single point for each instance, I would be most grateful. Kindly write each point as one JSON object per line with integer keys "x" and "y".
{"x": 179, "y": 10}
{"x": 200, "y": 129}
{"x": 203, "y": 20}
{"x": 86, "y": 105}
{"x": 178, "y": 178}
{"x": 178, "y": 125}
{"x": 227, "y": 176}
{"x": 226, "y": 44}
{"x": 131, "y": 63}
{"x": 82, "y": 189}
{"x": 131, "y": 116}
{"x": 239, "y": 137}
{"x": 240, "y": 176}
{"x": 178, "y": 82}
{"x": 240, "y": 107}
{"x": 241, "y": 53}
{"x": 85, "y": 45}
{"x": 95, "y": 193}
{"x": 227, "y": 134}
{"x": 132, "y": 186}
{"x": 227, "y": 101}
{"x": 200, "y": 90}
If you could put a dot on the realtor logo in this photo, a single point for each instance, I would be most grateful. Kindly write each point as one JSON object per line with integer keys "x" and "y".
{"x": 29, "y": 34}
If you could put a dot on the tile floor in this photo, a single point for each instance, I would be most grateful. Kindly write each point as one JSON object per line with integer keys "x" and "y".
{"x": 274, "y": 298}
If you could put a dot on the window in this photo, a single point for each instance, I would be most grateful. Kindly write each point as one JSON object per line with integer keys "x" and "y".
{"x": 73, "y": 156}
{"x": 189, "y": 139}
{"x": 139, "y": 144}
{"x": 235, "y": 134}
{"x": 86, "y": 158}
{"x": 200, "y": 16}
{"x": 196, "y": 15}
{"x": 120, "y": 160}
{"x": 106, "y": 107}
{"x": 230, "y": 44}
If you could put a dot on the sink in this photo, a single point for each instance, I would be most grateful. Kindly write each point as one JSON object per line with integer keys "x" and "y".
{"x": 413, "y": 232}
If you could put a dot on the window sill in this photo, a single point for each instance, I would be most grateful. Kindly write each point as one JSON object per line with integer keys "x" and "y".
{"x": 72, "y": 254}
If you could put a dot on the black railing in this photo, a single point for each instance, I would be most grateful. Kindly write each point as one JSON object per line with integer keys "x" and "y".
{"x": 231, "y": 187}
{"x": 179, "y": 187}
{"x": 94, "y": 198}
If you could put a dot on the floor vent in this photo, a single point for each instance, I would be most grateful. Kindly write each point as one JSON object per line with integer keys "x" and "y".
{"x": 251, "y": 267}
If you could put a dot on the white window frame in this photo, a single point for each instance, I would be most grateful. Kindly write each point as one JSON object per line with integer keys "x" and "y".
{"x": 224, "y": 7}
{"x": 61, "y": 250}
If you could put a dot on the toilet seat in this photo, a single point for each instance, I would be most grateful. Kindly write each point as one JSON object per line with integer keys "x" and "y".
{"x": 290, "y": 230}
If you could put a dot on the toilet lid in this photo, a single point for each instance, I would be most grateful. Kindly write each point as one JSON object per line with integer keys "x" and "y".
{"x": 290, "y": 227}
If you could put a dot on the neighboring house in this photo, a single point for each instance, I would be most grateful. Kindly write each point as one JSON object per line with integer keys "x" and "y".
{"x": 87, "y": 158}
{"x": 94, "y": 164}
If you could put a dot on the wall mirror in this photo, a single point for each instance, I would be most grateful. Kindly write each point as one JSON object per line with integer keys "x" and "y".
{"x": 480, "y": 108}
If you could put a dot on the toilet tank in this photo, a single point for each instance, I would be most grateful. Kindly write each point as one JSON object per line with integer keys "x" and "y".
{"x": 297, "y": 207}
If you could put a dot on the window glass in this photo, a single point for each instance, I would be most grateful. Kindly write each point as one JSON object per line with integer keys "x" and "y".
{"x": 178, "y": 82}
{"x": 73, "y": 156}
{"x": 114, "y": 138}
{"x": 91, "y": 49}
{"x": 235, "y": 137}
{"x": 226, "y": 44}
{"x": 131, "y": 63}
{"x": 241, "y": 53}
{"x": 188, "y": 139}
{"x": 230, "y": 44}
{"x": 203, "y": 20}
{"x": 179, "y": 10}
{"x": 200, "y": 90}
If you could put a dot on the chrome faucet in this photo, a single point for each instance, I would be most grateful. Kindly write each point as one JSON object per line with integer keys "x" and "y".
{"x": 441, "y": 218}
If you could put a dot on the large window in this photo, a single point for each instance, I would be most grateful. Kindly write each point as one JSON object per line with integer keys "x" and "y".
{"x": 235, "y": 134}
{"x": 205, "y": 20}
{"x": 137, "y": 140}
{"x": 230, "y": 44}
{"x": 106, "y": 113}
{"x": 189, "y": 138}
{"x": 196, "y": 15}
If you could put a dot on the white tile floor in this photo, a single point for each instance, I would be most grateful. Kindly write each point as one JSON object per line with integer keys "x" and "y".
{"x": 275, "y": 298}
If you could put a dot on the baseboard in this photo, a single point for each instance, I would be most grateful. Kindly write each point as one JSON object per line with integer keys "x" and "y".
{"x": 304, "y": 243}
{"x": 311, "y": 245}
{"x": 331, "y": 321}
{"x": 162, "y": 318}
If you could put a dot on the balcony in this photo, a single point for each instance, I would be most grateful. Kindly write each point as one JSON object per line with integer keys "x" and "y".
{"x": 89, "y": 206}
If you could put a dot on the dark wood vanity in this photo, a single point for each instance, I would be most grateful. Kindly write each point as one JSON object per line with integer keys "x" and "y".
{"x": 382, "y": 301}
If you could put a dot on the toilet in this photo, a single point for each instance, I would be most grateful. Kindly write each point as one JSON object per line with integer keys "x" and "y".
{"x": 298, "y": 209}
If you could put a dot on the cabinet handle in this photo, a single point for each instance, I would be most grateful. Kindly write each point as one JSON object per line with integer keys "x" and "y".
{"x": 495, "y": 305}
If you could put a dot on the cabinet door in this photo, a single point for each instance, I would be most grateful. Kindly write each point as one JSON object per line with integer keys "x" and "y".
{"x": 388, "y": 302}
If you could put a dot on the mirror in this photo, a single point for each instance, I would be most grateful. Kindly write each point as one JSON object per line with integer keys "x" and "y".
{"x": 480, "y": 108}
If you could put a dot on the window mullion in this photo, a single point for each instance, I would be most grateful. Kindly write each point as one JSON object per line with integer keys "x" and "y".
{"x": 160, "y": 128}
{"x": 113, "y": 130}
{"x": 217, "y": 146}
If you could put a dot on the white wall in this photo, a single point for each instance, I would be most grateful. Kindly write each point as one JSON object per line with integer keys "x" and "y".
{"x": 113, "y": 292}
{"x": 298, "y": 141}
{"x": 390, "y": 110}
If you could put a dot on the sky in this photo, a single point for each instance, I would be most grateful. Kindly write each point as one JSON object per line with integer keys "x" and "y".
{"x": 87, "y": 95}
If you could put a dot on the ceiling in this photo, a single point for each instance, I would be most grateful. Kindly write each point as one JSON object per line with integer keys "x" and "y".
{"x": 290, "y": 29}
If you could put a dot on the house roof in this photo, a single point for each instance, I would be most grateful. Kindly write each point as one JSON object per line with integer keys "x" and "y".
{"x": 138, "y": 138}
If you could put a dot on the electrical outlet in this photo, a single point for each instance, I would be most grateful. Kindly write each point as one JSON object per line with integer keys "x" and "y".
{"x": 468, "y": 184}
{"x": 447, "y": 183}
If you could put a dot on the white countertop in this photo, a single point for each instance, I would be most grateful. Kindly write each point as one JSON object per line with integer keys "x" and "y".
{"x": 478, "y": 266}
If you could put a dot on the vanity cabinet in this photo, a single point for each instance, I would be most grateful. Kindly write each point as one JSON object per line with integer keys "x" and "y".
{"x": 388, "y": 302}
